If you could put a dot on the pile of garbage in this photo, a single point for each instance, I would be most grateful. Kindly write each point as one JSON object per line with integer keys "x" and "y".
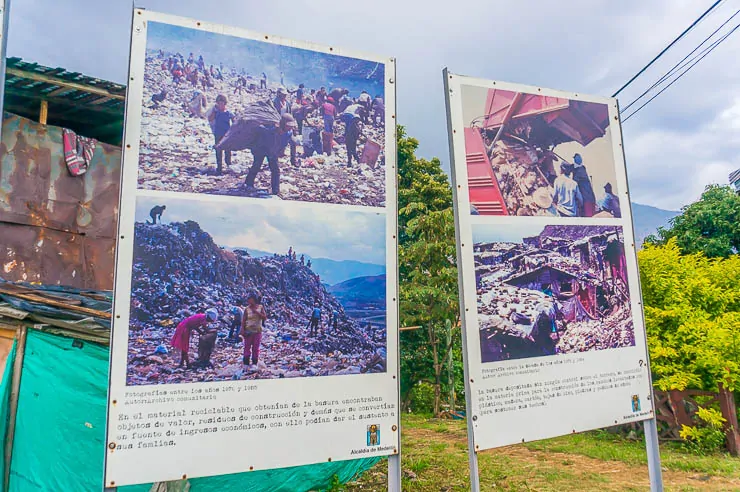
{"x": 523, "y": 184}
{"x": 178, "y": 271}
{"x": 615, "y": 330}
{"x": 176, "y": 150}
{"x": 511, "y": 311}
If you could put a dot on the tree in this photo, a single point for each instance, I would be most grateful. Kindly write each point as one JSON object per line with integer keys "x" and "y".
{"x": 692, "y": 312}
{"x": 427, "y": 269}
{"x": 710, "y": 226}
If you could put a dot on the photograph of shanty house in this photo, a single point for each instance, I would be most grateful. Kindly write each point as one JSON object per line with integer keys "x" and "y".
{"x": 552, "y": 290}
{"x": 528, "y": 154}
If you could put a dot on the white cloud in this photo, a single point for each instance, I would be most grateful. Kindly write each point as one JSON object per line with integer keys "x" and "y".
{"x": 273, "y": 227}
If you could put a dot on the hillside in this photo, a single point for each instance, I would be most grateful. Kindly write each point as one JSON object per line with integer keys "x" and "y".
{"x": 332, "y": 271}
{"x": 361, "y": 291}
{"x": 647, "y": 219}
{"x": 178, "y": 270}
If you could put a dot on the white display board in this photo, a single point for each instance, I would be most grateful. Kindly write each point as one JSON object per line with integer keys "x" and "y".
{"x": 550, "y": 298}
{"x": 231, "y": 213}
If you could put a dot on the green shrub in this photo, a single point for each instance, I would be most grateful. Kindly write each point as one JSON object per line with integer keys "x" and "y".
{"x": 709, "y": 436}
{"x": 422, "y": 398}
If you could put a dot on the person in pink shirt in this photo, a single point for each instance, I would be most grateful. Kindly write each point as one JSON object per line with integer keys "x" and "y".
{"x": 181, "y": 338}
{"x": 252, "y": 324}
{"x": 329, "y": 112}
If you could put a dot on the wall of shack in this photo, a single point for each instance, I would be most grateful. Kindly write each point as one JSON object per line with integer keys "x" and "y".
{"x": 55, "y": 228}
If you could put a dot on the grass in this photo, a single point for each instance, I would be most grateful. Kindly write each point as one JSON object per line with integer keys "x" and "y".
{"x": 604, "y": 446}
{"x": 434, "y": 458}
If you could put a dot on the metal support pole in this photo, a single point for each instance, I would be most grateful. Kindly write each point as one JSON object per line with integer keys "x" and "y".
{"x": 652, "y": 446}
{"x": 653, "y": 455}
{"x": 394, "y": 472}
{"x": 15, "y": 386}
{"x": 5, "y": 8}
{"x": 472, "y": 452}
{"x": 394, "y": 460}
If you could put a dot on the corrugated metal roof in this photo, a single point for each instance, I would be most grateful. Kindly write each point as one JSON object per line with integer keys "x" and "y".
{"x": 92, "y": 107}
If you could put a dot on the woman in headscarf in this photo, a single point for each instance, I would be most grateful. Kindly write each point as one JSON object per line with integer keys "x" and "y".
{"x": 181, "y": 338}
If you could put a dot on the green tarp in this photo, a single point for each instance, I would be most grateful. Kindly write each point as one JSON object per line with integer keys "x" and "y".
{"x": 5, "y": 385}
{"x": 60, "y": 428}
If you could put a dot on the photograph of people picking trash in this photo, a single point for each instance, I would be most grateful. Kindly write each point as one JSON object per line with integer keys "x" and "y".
{"x": 528, "y": 154}
{"x": 216, "y": 296}
{"x": 226, "y": 115}
{"x": 553, "y": 289}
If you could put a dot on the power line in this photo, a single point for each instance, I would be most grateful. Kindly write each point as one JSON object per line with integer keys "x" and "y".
{"x": 709, "y": 50}
{"x": 693, "y": 24}
{"x": 678, "y": 66}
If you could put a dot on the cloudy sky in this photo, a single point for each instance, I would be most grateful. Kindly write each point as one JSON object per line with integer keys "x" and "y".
{"x": 512, "y": 233}
{"x": 685, "y": 139}
{"x": 274, "y": 226}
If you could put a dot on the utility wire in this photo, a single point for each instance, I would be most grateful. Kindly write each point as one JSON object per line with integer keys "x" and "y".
{"x": 678, "y": 66}
{"x": 709, "y": 50}
{"x": 693, "y": 24}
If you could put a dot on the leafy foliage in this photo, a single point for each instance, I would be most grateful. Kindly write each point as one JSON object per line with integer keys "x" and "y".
{"x": 710, "y": 225}
{"x": 427, "y": 270}
{"x": 692, "y": 312}
{"x": 709, "y": 437}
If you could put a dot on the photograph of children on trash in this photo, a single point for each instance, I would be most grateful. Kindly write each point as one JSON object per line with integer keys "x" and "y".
{"x": 550, "y": 289}
{"x": 257, "y": 290}
{"x": 528, "y": 154}
{"x": 225, "y": 115}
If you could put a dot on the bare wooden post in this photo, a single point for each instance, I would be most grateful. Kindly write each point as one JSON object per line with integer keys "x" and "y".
{"x": 44, "y": 112}
{"x": 15, "y": 387}
{"x": 727, "y": 405}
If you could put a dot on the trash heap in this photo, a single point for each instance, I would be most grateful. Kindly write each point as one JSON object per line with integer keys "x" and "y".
{"x": 178, "y": 271}
{"x": 618, "y": 331}
{"x": 176, "y": 151}
{"x": 512, "y": 311}
{"x": 523, "y": 183}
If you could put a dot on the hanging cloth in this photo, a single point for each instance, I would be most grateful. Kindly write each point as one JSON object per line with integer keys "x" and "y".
{"x": 78, "y": 152}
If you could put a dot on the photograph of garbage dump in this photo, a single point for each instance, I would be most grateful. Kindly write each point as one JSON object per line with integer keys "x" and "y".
{"x": 534, "y": 155}
{"x": 255, "y": 289}
{"x": 226, "y": 115}
{"x": 552, "y": 289}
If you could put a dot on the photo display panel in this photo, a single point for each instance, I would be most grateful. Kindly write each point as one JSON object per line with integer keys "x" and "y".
{"x": 550, "y": 297}
{"x": 256, "y": 318}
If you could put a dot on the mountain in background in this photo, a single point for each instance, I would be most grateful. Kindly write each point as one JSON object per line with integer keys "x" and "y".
{"x": 331, "y": 271}
{"x": 361, "y": 292}
{"x": 647, "y": 219}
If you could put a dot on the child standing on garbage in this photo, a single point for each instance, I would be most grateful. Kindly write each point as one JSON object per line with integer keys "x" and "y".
{"x": 252, "y": 323}
{"x": 181, "y": 338}
{"x": 220, "y": 121}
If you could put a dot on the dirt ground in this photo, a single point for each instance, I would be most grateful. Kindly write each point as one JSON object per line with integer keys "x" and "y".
{"x": 435, "y": 459}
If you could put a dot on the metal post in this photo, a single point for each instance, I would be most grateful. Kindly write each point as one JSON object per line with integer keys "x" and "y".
{"x": 394, "y": 460}
{"x": 5, "y": 7}
{"x": 472, "y": 452}
{"x": 653, "y": 455}
{"x": 652, "y": 446}
{"x": 15, "y": 387}
{"x": 394, "y": 472}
